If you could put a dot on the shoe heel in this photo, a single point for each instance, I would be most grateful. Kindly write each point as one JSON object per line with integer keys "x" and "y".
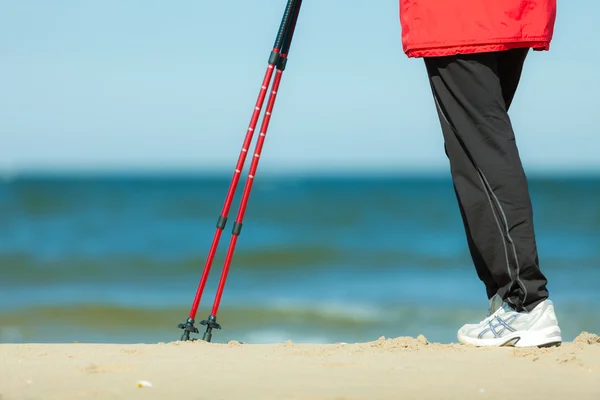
{"x": 550, "y": 336}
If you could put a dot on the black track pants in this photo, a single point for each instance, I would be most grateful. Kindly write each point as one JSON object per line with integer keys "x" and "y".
{"x": 472, "y": 95}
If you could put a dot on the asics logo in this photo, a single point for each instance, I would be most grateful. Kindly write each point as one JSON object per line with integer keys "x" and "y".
{"x": 498, "y": 326}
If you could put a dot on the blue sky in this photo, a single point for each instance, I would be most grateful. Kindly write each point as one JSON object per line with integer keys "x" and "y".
{"x": 155, "y": 85}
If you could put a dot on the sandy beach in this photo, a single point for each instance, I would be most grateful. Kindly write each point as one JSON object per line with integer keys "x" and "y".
{"x": 397, "y": 368}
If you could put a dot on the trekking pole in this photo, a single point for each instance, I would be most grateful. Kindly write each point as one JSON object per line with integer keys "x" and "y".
{"x": 274, "y": 59}
{"x": 211, "y": 322}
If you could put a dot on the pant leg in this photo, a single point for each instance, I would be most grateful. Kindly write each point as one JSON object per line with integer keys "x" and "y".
{"x": 487, "y": 173}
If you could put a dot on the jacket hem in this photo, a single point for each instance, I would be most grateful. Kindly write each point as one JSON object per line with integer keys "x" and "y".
{"x": 441, "y": 51}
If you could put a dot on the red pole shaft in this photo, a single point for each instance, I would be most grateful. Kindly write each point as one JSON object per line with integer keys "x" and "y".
{"x": 247, "y": 189}
{"x": 232, "y": 188}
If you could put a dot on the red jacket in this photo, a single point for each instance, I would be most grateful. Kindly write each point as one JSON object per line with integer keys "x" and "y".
{"x": 447, "y": 27}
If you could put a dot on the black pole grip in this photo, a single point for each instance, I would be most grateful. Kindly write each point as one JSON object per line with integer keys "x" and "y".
{"x": 289, "y": 34}
{"x": 284, "y": 23}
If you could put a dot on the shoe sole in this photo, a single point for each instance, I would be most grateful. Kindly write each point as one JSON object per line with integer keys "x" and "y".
{"x": 547, "y": 337}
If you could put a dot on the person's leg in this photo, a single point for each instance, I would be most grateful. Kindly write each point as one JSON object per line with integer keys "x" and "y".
{"x": 510, "y": 67}
{"x": 487, "y": 173}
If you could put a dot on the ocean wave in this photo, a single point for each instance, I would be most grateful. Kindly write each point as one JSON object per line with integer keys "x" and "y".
{"x": 274, "y": 321}
{"x": 111, "y": 316}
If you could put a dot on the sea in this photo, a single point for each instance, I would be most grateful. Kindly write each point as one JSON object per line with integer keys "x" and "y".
{"x": 320, "y": 259}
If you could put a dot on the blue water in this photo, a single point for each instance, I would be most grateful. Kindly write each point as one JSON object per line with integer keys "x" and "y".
{"x": 118, "y": 259}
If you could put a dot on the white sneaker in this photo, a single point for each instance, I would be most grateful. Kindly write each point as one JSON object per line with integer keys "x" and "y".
{"x": 506, "y": 327}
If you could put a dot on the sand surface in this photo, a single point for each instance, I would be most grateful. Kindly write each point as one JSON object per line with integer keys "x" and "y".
{"x": 400, "y": 368}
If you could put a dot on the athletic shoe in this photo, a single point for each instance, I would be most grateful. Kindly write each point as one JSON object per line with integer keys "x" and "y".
{"x": 507, "y": 327}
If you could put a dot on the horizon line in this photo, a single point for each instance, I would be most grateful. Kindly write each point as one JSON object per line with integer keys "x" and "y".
{"x": 222, "y": 173}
